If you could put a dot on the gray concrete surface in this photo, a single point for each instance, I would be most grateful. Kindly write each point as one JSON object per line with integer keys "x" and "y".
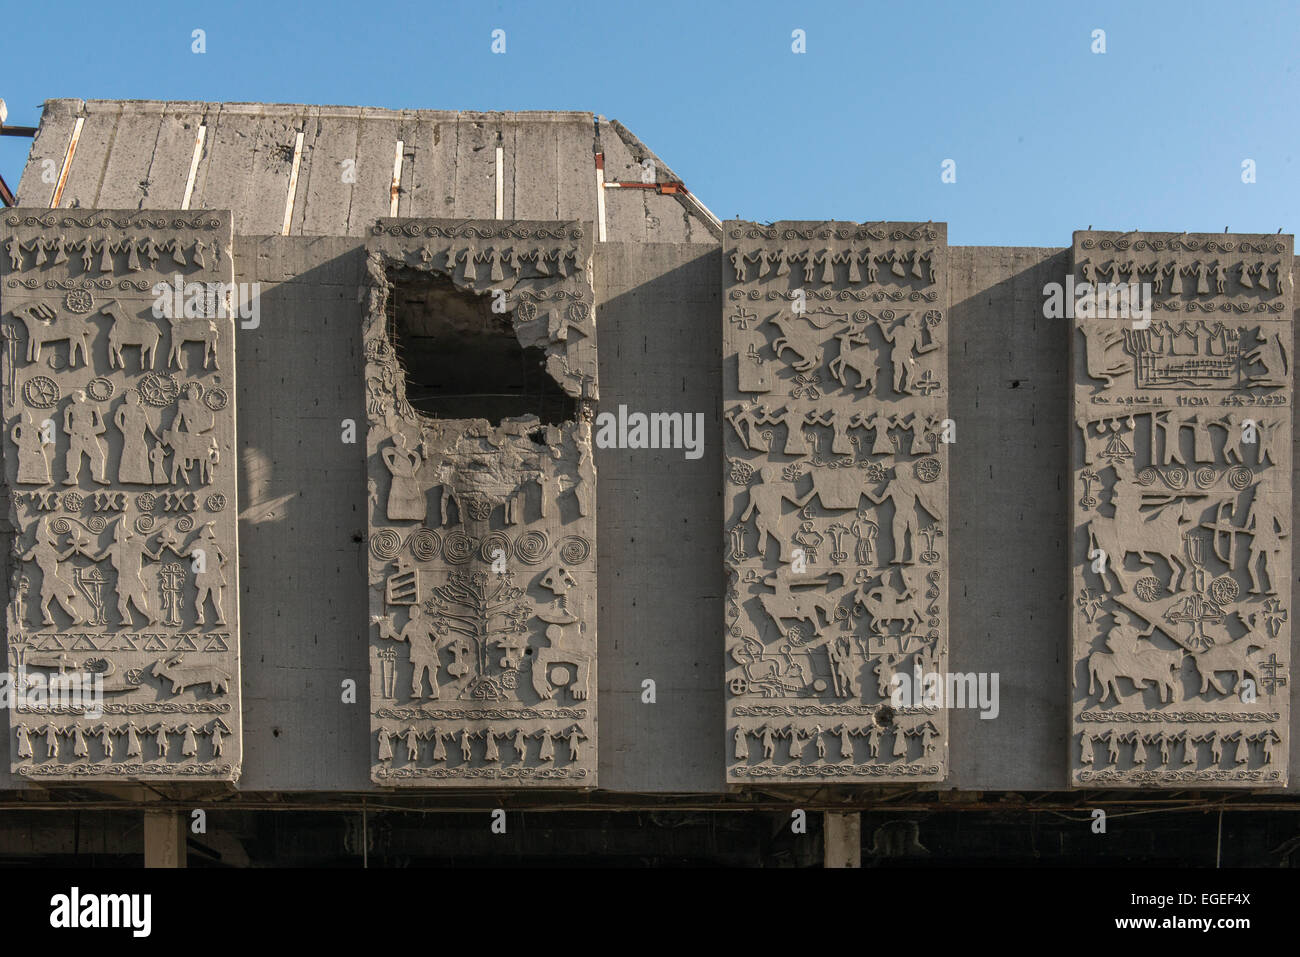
{"x": 137, "y": 154}
{"x": 302, "y": 491}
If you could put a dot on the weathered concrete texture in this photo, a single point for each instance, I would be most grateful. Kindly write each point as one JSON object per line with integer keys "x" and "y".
{"x": 122, "y": 489}
{"x": 303, "y": 545}
{"x": 835, "y": 388}
{"x": 138, "y": 153}
{"x": 1008, "y": 373}
{"x": 658, "y": 528}
{"x": 644, "y": 214}
{"x": 481, "y": 567}
{"x": 1181, "y": 555}
{"x": 302, "y": 520}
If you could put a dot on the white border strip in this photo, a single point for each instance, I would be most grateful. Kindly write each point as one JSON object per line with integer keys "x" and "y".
{"x": 501, "y": 202}
{"x": 397, "y": 180}
{"x": 194, "y": 165}
{"x": 67, "y": 162}
{"x": 293, "y": 186}
{"x": 600, "y": 196}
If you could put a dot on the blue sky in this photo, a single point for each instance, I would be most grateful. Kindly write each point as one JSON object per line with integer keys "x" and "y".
{"x": 1047, "y": 136}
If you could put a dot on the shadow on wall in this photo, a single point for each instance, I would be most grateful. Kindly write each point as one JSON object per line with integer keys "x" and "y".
{"x": 659, "y": 522}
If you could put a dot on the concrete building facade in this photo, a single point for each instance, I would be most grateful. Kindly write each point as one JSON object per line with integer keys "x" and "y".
{"x": 356, "y": 225}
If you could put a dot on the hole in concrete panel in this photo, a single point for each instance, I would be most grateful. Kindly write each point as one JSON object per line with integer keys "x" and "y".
{"x": 464, "y": 361}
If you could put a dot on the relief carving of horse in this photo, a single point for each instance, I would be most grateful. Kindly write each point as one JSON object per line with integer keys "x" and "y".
{"x": 1151, "y": 664}
{"x": 1233, "y": 656}
{"x": 42, "y": 329}
{"x": 126, "y": 331}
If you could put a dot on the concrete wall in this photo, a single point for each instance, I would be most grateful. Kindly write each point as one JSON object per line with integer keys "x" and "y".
{"x": 302, "y": 491}
{"x": 137, "y": 154}
{"x": 302, "y": 542}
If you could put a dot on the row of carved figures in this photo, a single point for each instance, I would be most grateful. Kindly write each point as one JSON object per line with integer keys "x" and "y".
{"x": 97, "y": 253}
{"x": 862, "y": 265}
{"x": 127, "y": 554}
{"x": 1106, "y": 437}
{"x": 516, "y": 738}
{"x": 44, "y": 325}
{"x": 216, "y": 731}
{"x": 189, "y": 441}
{"x": 417, "y": 472}
{"x": 800, "y": 738}
{"x": 1161, "y": 744}
{"x": 1267, "y": 277}
{"x": 545, "y": 262}
{"x": 749, "y": 417}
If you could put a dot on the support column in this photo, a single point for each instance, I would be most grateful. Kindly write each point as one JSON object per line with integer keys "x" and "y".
{"x": 164, "y": 839}
{"x": 842, "y": 839}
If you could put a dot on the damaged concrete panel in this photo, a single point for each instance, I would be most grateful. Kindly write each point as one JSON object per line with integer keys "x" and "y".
{"x": 480, "y": 368}
{"x": 1181, "y": 548}
{"x": 835, "y": 467}
{"x": 120, "y": 461}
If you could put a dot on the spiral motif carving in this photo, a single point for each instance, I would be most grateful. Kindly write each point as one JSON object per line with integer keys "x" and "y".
{"x": 424, "y": 544}
{"x": 457, "y": 548}
{"x": 491, "y": 543}
{"x": 574, "y": 550}
{"x": 385, "y": 544}
{"x": 532, "y": 547}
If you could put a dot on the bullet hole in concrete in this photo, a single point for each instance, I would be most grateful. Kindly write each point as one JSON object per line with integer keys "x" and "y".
{"x": 275, "y": 732}
{"x": 464, "y": 361}
{"x": 358, "y": 537}
{"x": 1015, "y": 383}
{"x": 885, "y": 716}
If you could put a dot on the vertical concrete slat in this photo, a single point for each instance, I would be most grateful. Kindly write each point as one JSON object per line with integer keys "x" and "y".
{"x": 86, "y": 174}
{"x": 533, "y": 161}
{"x": 426, "y": 176}
{"x": 575, "y": 163}
{"x": 370, "y": 195}
{"x": 47, "y": 151}
{"x": 330, "y": 168}
{"x": 173, "y": 154}
{"x": 475, "y": 167}
{"x": 126, "y": 171}
{"x": 625, "y": 209}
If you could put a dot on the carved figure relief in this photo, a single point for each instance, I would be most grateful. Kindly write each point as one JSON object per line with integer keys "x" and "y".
{"x": 482, "y": 563}
{"x": 836, "y": 498}
{"x": 132, "y": 576}
{"x": 1182, "y": 515}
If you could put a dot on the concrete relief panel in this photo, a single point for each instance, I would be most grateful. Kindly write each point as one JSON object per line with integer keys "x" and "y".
{"x": 836, "y": 487}
{"x": 1181, "y": 548}
{"x": 118, "y": 397}
{"x": 480, "y": 367}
